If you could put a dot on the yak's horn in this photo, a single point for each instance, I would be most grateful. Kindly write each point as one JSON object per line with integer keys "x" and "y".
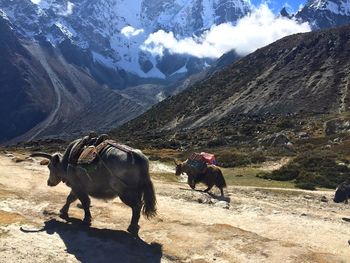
{"x": 40, "y": 154}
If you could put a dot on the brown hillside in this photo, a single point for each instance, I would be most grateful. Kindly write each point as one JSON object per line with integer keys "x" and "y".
{"x": 302, "y": 74}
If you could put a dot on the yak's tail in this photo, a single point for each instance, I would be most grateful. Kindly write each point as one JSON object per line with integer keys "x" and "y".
{"x": 149, "y": 200}
{"x": 220, "y": 180}
{"x": 149, "y": 197}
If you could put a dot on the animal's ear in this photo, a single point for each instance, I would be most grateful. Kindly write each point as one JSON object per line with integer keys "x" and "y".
{"x": 175, "y": 162}
{"x": 55, "y": 159}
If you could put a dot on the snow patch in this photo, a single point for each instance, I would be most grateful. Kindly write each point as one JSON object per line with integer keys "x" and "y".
{"x": 68, "y": 11}
{"x": 103, "y": 60}
{"x": 4, "y": 15}
{"x": 35, "y": 1}
{"x": 129, "y": 31}
{"x": 338, "y": 8}
{"x": 67, "y": 31}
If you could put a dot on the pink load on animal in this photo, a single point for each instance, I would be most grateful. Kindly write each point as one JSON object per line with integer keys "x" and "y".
{"x": 209, "y": 158}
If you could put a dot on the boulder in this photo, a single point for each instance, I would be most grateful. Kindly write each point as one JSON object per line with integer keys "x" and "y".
{"x": 324, "y": 199}
{"x": 336, "y": 126}
{"x": 44, "y": 162}
{"x": 277, "y": 139}
{"x": 303, "y": 135}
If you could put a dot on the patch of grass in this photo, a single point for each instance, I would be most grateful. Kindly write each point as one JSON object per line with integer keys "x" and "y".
{"x": 312, "y": 169}
{"x": 236, "y": 159}
{"x": 166, "y": 155}
{"x": 247, "y": 176}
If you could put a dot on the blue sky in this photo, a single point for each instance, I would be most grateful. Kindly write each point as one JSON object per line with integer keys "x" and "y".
{"x": 277, "y": 5}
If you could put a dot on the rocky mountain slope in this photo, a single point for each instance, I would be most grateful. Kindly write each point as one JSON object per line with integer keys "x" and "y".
{"x": 43, "y": 95}
{"x": 71, "y": 66}
{"x": 302, "y": 74}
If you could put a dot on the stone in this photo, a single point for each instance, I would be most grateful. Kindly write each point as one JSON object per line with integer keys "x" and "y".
{"x": 44, "y": 162}
{"x": 223, "y": 204}
{"x": 336, "y": 126}
{"x": 324, "y": 199}
{"x": 18, "y": 159}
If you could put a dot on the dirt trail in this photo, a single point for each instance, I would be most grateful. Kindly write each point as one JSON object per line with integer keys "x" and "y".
{"x": 57, "y": 88}
{"x": 257, "y": 225}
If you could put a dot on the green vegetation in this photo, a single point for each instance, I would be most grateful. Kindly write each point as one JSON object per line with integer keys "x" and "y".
{"x": 313, "y": 169}
{"x": 234, "y": 158}
{"x": 247, "y": 176}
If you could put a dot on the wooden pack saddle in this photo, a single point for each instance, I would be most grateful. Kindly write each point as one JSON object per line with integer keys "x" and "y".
{"x": 88, "y": 149}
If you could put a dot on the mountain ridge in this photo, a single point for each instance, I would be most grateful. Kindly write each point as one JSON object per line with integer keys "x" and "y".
{"x": 299, "y": 74}
{"x": 99, "y": 29}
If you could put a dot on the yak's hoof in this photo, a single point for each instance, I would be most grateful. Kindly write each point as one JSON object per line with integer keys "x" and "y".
{"x": 87, "y": 221}
{"x": 64, "y": 215}
{"x": 134, "y": 230}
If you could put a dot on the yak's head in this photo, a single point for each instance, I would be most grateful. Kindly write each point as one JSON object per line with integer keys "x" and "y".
{"x": 182, "y": 167}
{"x": 55, "y": 166}
{"x": 342, "y": 193}
{"x": 178, "y": 168}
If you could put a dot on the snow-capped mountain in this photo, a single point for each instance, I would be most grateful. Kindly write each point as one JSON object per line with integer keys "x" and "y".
{"x": 42, "y": 95}
{"x": 109, "y": 33}
{"x": 325, "y": 13}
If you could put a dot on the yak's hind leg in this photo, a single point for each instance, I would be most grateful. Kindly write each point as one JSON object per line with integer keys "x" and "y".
{"x": 210, "y": 186}
{"x": 85, "y": 202}
{"x": 134, "y": 201}
{"x": 70, "y": 199}
{"x": 222, "y": 191}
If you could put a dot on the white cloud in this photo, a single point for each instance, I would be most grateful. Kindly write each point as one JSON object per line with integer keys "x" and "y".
{"x": 253, "y": 31}
{"x": 129, "y": 31}
{"x": 36, "y": 1}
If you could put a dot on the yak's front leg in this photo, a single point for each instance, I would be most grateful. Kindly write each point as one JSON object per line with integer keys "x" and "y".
{"x": 70, "y": 199}
{"x": 85, "y": 202}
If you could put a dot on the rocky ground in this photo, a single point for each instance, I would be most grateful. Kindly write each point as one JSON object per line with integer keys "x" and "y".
{"x": 250, "y": 225}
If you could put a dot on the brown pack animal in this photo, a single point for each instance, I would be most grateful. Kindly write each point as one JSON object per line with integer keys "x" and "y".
{"x": 210, "y": 176}
{"x": 116, "y": 171}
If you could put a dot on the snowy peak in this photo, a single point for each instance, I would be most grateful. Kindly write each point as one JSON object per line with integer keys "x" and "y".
{"x": 335, "y": 7}
{"x": 325, "y": 13}
{"x": 112, "y": 31}
{"x": 186, "y": 17}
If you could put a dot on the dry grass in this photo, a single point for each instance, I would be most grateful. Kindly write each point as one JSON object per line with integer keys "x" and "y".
{"x": 8, "y": 218}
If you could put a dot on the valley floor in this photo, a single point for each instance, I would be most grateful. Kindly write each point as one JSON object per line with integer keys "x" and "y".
{"x": 253, "y": 224}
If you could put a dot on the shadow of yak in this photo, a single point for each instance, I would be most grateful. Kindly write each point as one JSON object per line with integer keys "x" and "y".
{"x": 90, "y": 244}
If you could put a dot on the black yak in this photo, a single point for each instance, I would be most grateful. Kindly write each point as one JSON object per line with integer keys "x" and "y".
{"x": 117, "y": 170}
{"x": 342, "y": 193}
